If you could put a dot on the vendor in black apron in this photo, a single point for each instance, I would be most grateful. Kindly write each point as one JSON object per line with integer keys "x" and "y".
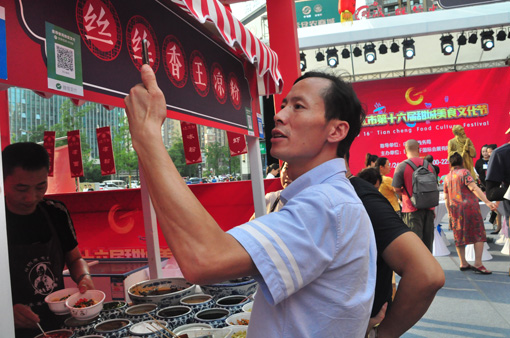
{"x": 41, "y": 240}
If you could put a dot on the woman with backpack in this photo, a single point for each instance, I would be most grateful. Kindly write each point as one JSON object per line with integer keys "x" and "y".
{"x": 461, "y": 195}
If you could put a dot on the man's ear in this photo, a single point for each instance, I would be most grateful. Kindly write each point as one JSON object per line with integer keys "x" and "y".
{"x": 338, "y": 131}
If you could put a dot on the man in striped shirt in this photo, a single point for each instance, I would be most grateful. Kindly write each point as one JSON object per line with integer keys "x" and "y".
{"x": 314, "y": 259}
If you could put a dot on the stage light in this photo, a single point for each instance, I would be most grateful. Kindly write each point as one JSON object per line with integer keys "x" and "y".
{"x": 394, "y": 47}
{"x": 302, "y": 61}
{"x": 370, "y": 54}
{"x": 332, "y": 57}
{"x": 383, "y": 49}
{"x": 473, "y": 38}
{"x": 461, "y": 40}
{"x": 408, "y": 48}
{"x": 487, "y": 40}
{"x": 346, "y": 54}
{"x": 447, "y": 44}
{"x": 319, "y": 56}
{"x": 501, "y": 36}
{"x": 357, "y": 51}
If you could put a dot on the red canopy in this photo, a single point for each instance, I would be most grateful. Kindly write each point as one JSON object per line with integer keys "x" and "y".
{"x": 239, "y": 37}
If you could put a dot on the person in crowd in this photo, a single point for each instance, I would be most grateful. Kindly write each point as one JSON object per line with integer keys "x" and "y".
{"x": 371, "y": 175}
{"x": 464, "y": 146}
{"x": 272, "y": 170}
{"x": 273, "y": 201}
{"x": 399, "y": 250}
{"x": 370, "y": 160}
{"x": 498, "y": 178}
{"x": 383, "y": 165}
{"x": 461, "y": 195}
{"x": 481, "y": 166}
{"x": 311, "y": 245}
{"x": 421, "y": 221}
{"x": 41, "y": 239}
{"x": 495, "y": 218}
{"x": 430, "y": 159}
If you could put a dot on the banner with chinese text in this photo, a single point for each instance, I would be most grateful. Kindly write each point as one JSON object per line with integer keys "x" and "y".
{"x": 203, "y": 80}
{"x": 236, "y": 144}
{"x": 74, "y": 148}
{"x": 49, "y": 145}
{"x": 104, "y": 145}
{"x": 191, "y": 144}
{"x": 426, "y": 108}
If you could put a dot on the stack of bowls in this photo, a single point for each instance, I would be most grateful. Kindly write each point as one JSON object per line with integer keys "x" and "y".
{"x": 163, "y": 292}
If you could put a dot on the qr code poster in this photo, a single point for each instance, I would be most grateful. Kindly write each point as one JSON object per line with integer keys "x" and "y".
{"x": 63, "y": 54}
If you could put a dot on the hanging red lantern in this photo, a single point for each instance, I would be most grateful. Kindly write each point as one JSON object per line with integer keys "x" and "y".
{"x": 346, "y": 9}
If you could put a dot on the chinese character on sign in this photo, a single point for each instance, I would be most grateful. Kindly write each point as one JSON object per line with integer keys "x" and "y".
{"x": 218, "y": 84}
{"x": 198, "y": 63}
{"x": 92, "y": 21}
{"x": 174, "y": 62}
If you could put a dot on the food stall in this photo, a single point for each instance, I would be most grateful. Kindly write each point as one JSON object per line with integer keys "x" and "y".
{"x": 210, "y": 68}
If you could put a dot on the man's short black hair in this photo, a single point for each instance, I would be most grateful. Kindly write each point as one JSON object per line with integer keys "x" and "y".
{"x": 455, "y": 160}
{"x": 27, "y": 155}
{"x": 371, "y": 175}
{"x": 340, "y": 102}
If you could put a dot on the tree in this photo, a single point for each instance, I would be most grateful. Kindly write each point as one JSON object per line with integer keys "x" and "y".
{"x": 217, "y": 158}
{"x": 176, "y": 152}
{"x": 126, "y": 159}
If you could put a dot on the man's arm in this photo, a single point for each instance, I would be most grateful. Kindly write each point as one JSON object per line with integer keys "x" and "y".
{"x": 79, "y": 270}
{"x": 204, "y": 252}
{"x": 421, "y": 277}
{"x": 495, "y": 191}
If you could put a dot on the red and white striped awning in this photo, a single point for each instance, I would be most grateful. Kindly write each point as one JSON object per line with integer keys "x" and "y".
{"x": 239, "y": 37}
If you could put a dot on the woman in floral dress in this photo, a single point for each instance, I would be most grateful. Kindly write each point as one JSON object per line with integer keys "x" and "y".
{"x": 461, "y": 195}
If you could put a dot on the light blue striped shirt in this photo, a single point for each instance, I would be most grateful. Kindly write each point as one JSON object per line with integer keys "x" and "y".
{"x": 316, "y": 258}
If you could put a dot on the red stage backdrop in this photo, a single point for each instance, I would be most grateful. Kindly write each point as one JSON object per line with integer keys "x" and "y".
{"x": 425, "y": 108}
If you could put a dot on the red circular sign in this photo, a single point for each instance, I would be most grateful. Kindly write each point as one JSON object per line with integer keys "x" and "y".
{"x": 219, "y": 83}
{"x": 174, "y": 59}
{"x": 99, "y": 27}
{"x": 234, "y": 91}
{"x": 138, "y": 29}
{"x": 199, "y": 73}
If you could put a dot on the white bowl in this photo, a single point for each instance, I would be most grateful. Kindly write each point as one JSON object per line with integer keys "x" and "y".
{"x": 61, "y": 333}
{"x": 216, "y": 333}
{"x": 89, "y": 311}
{"x": 55, "y": 303}
{"x": 248, "y": 307}
{"x": 238, "y": 329}
{"x": 232, "y": 320}
{"x": 192, "y": 326}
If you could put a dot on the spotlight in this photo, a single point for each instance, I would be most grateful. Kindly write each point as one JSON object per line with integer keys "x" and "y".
{"x": 394, "y": 47}
{"x": 447, "y": 44}
{"x": 370, "y": 54}
{"x": 501, "y": 36}
{"x": 302, "y": 61}
{"x": 346, "y": 54}
{"x": 408, "y": 49}
{"x": 383, "y": 49}
{"x": 473, "y": 38}
{"x": 332, "y": 57}
{"x": 461, "y": 40}
{"x": 319, "y": 56}
{"x": 357, "y": 51}
{"x": 487, "y": 39}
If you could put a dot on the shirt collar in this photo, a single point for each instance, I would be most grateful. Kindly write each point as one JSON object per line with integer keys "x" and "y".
{"x": 317, "y": 175}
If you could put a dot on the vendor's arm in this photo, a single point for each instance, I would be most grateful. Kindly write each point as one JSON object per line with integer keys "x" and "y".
{"x": 421, "y": 277}
{"x": 79, "y": 270}
{"x": 24, "y": 317}
{"x": 204, "y": 252}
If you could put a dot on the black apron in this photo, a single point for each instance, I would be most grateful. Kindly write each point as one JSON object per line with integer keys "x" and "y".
{"x": 36, "y": 271}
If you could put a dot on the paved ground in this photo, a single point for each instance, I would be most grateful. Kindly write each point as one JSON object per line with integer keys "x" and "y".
{"x": 469, "y": 304}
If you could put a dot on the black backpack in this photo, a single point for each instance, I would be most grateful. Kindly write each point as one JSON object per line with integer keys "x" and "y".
{"x": 425, "y": 190}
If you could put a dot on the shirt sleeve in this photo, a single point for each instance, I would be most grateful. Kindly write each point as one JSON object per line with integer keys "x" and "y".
{"x": 398, "y": 177}
{"x": 281, "y": 244}
{"x": 64, "y": 225}
{"x": 495, "y": 169}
